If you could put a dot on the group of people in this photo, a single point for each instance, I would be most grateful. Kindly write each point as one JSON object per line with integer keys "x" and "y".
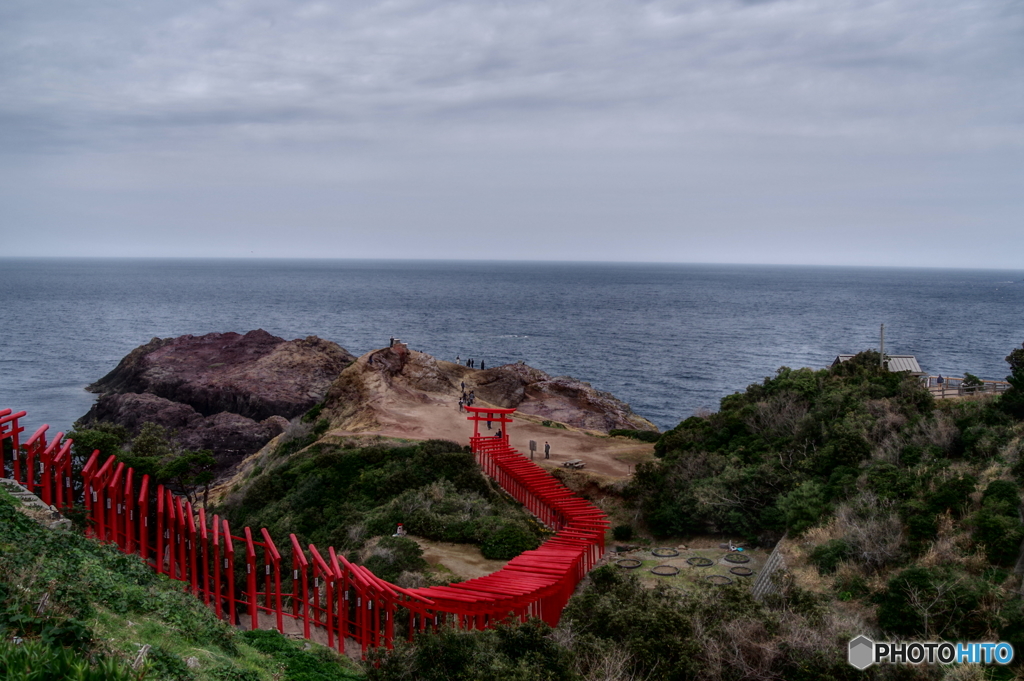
{"x": 467, "y": 399}
{"x": 471, "y": 363}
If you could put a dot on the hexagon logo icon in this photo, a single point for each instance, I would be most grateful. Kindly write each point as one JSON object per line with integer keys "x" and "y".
{"x": 862, "y": 652}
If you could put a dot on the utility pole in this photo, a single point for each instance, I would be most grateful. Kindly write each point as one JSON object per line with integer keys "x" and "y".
{"x": 881, "y": 348}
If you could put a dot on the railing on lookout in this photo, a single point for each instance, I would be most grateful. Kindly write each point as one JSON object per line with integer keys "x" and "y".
{"x": 323, "y": 593}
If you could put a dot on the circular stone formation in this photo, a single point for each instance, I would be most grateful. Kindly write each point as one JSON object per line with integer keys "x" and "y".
{"x": 717, "y": 580}
{"x": 741, "y": 571}
{"x": 737, "y": 558}
{"x": 628, "y": 563}
{"x": 664, "y": 553}
{"x": 700, "y": 561}
{"x": 665, "y": 570}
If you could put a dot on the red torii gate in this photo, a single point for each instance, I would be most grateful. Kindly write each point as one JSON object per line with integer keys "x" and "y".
{"x": 489, "y": 414}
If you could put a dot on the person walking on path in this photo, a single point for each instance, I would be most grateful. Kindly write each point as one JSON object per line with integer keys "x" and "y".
{"x": 547, "y": 450}
{"x": 460, "y": 404}
{"x": 472, "y": 396}
{"x": 463, "y": 387}
{"x": 498, "y": 434}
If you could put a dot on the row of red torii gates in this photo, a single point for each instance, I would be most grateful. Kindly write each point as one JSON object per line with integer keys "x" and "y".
{"x": 323, "y": 592}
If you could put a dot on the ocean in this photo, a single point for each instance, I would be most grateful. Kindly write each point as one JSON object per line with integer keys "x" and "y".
{"x": 669, "y": 339}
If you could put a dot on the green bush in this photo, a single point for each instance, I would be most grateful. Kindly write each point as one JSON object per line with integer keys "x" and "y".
{"x": 622, "y": 532}
{"x": 952, "y": 495}
{"x": 508, "y": 542}
{"x": 804, "y": 507}
{"x": 933, "y": 603}
{"x": 1001, "y": 536}
{"x": 826, "y": 557}
{"x": 515, "y": 651}
{"x": 395, "y": 555}
{"x": 642, "y": 435}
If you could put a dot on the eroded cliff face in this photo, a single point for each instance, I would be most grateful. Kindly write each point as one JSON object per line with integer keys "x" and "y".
{"x": 371, "y": 390}
{"x": 227, "y": 392}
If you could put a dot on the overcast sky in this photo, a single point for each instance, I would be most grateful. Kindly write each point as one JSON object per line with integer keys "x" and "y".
{"x": 735, "y": 131}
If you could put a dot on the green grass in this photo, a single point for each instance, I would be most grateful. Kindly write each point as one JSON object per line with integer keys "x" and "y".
{"x": 84, "y": 610}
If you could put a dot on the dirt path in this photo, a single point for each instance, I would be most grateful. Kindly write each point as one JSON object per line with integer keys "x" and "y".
{"x": 424, "y": 416}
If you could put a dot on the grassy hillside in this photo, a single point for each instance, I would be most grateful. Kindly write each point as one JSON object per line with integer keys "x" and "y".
{"x": 73, "y": 608}
{"x": 352, "y": 498}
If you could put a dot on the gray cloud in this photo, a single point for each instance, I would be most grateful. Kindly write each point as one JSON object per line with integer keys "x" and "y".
{"x": 693, "y": 125}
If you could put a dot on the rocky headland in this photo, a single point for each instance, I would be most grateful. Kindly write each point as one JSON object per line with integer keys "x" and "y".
{"x": 365, "y": 394}
{"x": 233, "y": 393}
{"x": 227, "y": 392}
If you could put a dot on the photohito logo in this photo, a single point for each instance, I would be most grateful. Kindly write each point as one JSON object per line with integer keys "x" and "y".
{"x": 864, "y": 652}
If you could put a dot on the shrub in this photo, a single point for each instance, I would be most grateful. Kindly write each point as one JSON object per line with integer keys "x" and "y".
{"x": 394, "y": 555}
{"x": 1000, "y": 534}
{"x": 622, "y": 532}
{"x": 804, "y": 507}
{"x": 826, "y": 557}
{"x": 952, "y": 495}
{"x": 508, "y": 542}
{"x": 933, "y": 602}
{"x": 642, "y": 435}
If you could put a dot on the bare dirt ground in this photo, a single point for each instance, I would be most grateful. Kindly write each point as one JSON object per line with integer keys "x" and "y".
{"x": 462, "y": 560}
{"x": 424, "y": 416}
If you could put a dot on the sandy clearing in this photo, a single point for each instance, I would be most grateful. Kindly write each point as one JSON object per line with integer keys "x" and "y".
{"x": 464, "y": 560}
{"x": 426, "y": 416}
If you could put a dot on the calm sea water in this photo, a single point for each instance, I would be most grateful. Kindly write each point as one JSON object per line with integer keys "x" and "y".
{"x": 668, "y": 339}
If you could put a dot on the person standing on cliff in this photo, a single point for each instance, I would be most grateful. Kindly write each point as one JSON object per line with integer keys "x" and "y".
{"x": 547, "y": 450}
{"x": 482, "y": 365}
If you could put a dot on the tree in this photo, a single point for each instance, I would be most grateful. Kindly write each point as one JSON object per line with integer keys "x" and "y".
{"x": 190, "y": 471}
{"x": 1012, "y": 401}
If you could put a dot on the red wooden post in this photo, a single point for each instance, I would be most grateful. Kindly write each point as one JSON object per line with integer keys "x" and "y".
{"x": 205, "y": 539}
{"x": 216, "y": 566}
{"x": 46, "y": 469}
{"x": 250, "y": 579}
{"x": 271, "y": 555}
{"x": 179, "y": 537}
{"x": 62, "y": 470}
{"x": 300, "y": 563}
{"x": 115, "y": 510}
{"x": 99, "y": 498}
{"x": 160, "y": 530}
{"x": 320, "y": 565}
{"x": 130, "y": 521}
{"x": 144, "y": 519}
{"x": 33, "y": 448}
{"x": 229, "y": 565}
{"x": 190, "y": 547}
